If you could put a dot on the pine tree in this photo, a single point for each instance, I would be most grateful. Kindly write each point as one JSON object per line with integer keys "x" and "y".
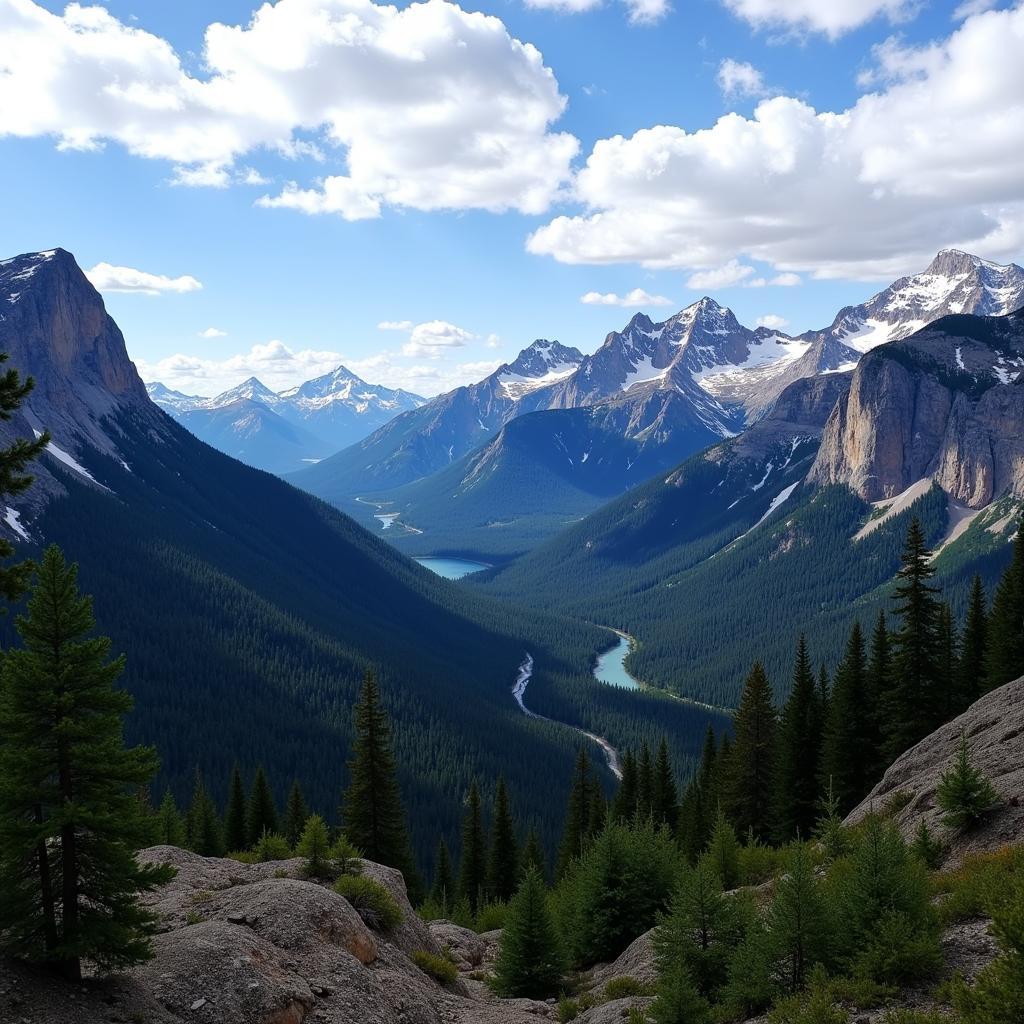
{"x": 473, "y": 863}
{"x": 664, "y": 795}
{"x": 971, "y": 669}
{"x": 914, "y": 704}
{"x": 170, "y": 825}
{"x": 260, "y": 813}
{"x": 677, "y": 1000}
{"x": 750, "y": 781}
{"x": 707, "y": 774}
{"x": 296, "y": 814}
{"x": 598, "y": 814}
{"x": 879, "y": 683}
{"x": 926, "y": 847}
{"x": 236, "y": 836}
{"x": 625, "y": 802}
{"x": 1005, "y": 653}
{"x": 371, "y": 807}
{"x": 314, "y": 844}
{"x": 443, "y": 890}
{"x": 576, "y": 830}
{"x": 644, "y": 782}
{"x": 70, "y": 822}
{"x": 693, "y": 828}
{"x": 798, "y": 928}
{"x": 964, "y": 793}
{"x": 948, "y": 656}
{"x": 530, "y": 962}
{"x": 723, "y": 852}
{"x": 503, "y": 857}
{"x": 798, "y": 754}
{"x": 14, "y": 458}
{"x": 534, "y": 855}
{"x": 847, "y": 754}
{"x": 202, "y": 826}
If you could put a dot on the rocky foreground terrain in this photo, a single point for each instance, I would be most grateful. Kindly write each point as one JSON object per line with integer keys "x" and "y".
{"x": 261, "y": 944}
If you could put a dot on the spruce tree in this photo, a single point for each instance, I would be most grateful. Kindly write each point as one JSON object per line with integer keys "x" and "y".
{"x": 723, "y": 852}
{"x": 798, "y": 754}
{"x": 677, "y": 1000}
{"x": 70, "y": 822}
{"x": 971, "y": 670}
{"x": 314, "y": 845}
{"x": 14, "y": 458}
{"x": 503, "y": 856}
{"x": 879, "y": 684}
{"x": 751, "y": 775}
{"x": 576, "y": 830}
{"x": 664, "y": 795}
{"x": 1005, "y": 653}
{"x": 473, "y": 862}
{"x": 534, "y": 855}
{"x": 948, "y": 656}
{"x": 707, "y": 774}
{"x": 644, "y": 782}
{"x": 443, "y": 890}
{"x": 296, "y": 814}
{"x": 847, "y": 755}
{"x": 236, "y": 835}
{"x": 260, "y": 812}
{"x": 692, "y": 829}
{"x": 203, "y": 830}
{"x": 371, "y": 807}
{"x": 530, "y": 962}
{"x": 915, "y": 702}
{"x": 964, "y": 793}
{"x": 170, "y": 825}
{"x": 798, "y": 928}
{"x": 624, "y": 803}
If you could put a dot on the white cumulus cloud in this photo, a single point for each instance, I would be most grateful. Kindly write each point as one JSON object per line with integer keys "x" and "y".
{"x": 433, "y": 337}
{"x": 640, "y": 12}
{"x": 772, "y": 320}
{"x": 213, "y": 332}
{"x": 428, "y": 106}
{"x": 725, "y": 276}
{"x": 737, "y": 78}
{"x": 107, "y": 278}
{"x": 636, "y": 297}
{"x": 932, "y": 160}
{"x": 395, "y": 325}
{"x": 830, "y": 17}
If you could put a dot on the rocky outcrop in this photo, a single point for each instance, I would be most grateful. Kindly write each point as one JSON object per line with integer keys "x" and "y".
{"x": 994, "y": 729}
{"x": 946, "y": 404}
{"x": 260, "y": 944}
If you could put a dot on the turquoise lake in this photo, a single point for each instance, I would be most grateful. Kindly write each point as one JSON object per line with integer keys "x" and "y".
{"x": 451, "y": 568}
{"x": 611, "y": 670}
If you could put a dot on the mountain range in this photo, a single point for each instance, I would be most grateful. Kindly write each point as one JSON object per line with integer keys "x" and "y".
{"x": 282, "y": 431}
{"x": 249, "y": 611}
{"x": 466, "y": 477}
{"x": 807, "y": 509}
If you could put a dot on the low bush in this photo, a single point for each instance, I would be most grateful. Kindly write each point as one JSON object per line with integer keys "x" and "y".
{"x": 371, "y": 901}
{"x": 271, "y": 846}
{"x": 979, "y": 884}
{"x": 624, "y": 987}
{"x": 440, "y": 968}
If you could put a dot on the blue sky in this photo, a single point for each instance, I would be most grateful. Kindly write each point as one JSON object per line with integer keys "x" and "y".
{"x": 469, "y": 256}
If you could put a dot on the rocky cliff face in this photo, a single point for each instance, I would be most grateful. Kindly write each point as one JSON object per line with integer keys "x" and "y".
{"x": 945, "y": 404}
{"x": 55, "y": 328}
{"x": 994, "y": 728}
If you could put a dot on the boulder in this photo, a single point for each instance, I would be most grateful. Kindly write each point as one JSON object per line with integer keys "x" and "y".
{"x": 615, "y": 1012}
{"x": 637, "y": 961}
{"x": 994, "y": 728}
{"x": 412, "y": 934}
{"x": 466, "y": 946}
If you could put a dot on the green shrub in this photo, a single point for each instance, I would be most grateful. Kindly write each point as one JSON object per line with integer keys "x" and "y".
{"x": 900, "y": 951}
{"x": 861, "y": 993}
{"x": 757, "y": 862}
{"x": 624, "y": 987}
{"x": 491, "y": 916}
{"x": 440, "y": 968}
{"x": 242, "y": 856}
{"x": 271, "y": 846}
{"x": 429, "y": 910}
{"x": 816, "y": 1005}
{"x": 372, "y": 902}
{"x": 568, "y": 1009}
{"x": 926, "y": 847}
{"x": 315, "y": 847}
{"x": 980, "y": 884}
{"x": 346, "y": 856}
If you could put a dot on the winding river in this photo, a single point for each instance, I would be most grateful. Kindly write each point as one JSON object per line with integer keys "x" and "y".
{"x": 611, "y": 755}
{"x": 611, "y": 666}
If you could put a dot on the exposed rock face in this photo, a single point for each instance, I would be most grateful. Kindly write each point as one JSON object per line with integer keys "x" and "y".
{"x": 994, "y": 728}
{"x": 259, "y": 944}
{"x": 946, "y": 404}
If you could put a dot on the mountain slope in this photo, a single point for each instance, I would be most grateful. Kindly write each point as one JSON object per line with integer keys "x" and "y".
{"x": 282, "y": 431}
{"x": 674, "y": 562}
{"x": 249, "y": 610}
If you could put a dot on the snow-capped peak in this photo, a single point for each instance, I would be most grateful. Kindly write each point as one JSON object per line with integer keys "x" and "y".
{"x": 538, "y": 365}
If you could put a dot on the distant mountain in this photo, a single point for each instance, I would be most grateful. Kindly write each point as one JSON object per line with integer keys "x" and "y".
{"x": 250, "y": 611}
{"x": 807, "y": 509}
{"x": 290, "y": 428}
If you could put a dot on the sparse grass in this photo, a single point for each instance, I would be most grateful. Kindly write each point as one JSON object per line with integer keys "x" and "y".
{"x": 624, "y": 987}
{"x": 441, "y": 968}
{"x": 193, "y": 917}
{"x": 372, "y": 902}
{"x": 981, "y": 882}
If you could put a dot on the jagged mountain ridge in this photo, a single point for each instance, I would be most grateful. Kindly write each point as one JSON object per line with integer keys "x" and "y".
{"x": 293, "y": 427}
{"x": 729, "y": 374}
